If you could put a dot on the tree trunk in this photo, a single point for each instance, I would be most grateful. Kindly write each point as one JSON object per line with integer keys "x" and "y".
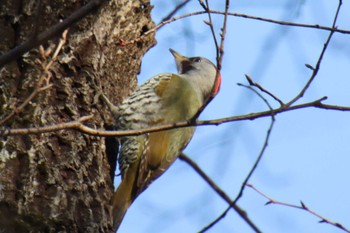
{"x": 60, "y": 182}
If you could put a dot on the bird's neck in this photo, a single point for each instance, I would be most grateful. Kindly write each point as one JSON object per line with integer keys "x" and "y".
{"x": 202, "y": 84}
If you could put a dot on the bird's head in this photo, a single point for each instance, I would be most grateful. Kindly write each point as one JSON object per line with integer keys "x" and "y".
{"x": 199, "y": 70}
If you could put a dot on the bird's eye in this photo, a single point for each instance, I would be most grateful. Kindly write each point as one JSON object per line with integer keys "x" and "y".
{"x": 197, "y": 59}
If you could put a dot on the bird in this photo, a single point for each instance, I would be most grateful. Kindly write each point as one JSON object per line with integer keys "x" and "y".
{"x": 163, "y": 99}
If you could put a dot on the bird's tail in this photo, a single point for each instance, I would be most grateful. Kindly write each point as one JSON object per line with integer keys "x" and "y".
{"x": 122, "y": 200}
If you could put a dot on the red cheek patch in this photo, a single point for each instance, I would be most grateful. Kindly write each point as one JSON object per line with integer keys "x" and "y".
{"x": 217, "y": 85}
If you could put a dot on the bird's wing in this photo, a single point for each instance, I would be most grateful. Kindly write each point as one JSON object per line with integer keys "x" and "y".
{"x": 145, "y": 157}
{"x": 177, "y": 100}
{"x": 141, "y": 109}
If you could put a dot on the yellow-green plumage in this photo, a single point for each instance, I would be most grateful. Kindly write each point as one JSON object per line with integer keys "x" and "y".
{"x": 165, "y": 98}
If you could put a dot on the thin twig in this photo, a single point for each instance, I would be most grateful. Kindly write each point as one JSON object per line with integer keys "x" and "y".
{"x": 219, "y": 53}
{"x": 219, "y": 191}
{"x": 283, "y": 23}
{"x": 263, "y": 149}
{"x": 318, "y": 64}
{"x": 53, "y": 31}
{"x": 223, "y": 35}
{"x": 331, "y": 107}
{"x": 75, "y": 125}
{"x": 257, "y": 160}
{"x": 211, "y": 26}
{"x": 45, "y": 76}
{"x": 215, "y": 221}
{"x": 252, "y": 83}
{"x": 302, "y": 207}
{"x": 176, "y": 9}
{"x": 102, "y": 133}
{"x": 250, "y": 87}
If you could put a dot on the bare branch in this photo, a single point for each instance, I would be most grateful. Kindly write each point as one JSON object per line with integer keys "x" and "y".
{"x": 211, "y": 26}
{"x": 51, "y": 32}
{"x": 318, "y": 64}
{"x": 176, "y": 9}
{"x": 302, "y": 207}
{"x": 252, "y": 83}
{"x": 76, "y": 125}
{"x": 219, "y": 53}
{"x": 215, "y": 221}
{"x": 331, "y": 107}
{"x": 223, "y": 35}
{"x": 262, "y": 151}
{"x": 45, "y": 76}
{"x": 219, "y": 191}
{"x": 258, "y": 94}
{"x": 303, "y": 25}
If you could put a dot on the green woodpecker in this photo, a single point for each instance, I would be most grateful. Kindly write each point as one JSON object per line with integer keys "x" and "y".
{"x": 165, "y": 98}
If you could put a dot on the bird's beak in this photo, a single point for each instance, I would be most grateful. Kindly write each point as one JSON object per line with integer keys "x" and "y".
{"x": 182, "y": 62}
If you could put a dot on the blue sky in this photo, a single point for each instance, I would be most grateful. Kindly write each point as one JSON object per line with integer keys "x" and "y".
{"x": 308, "y": 155}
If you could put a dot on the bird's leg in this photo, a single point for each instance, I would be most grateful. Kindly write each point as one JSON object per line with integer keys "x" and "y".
{"x": 111, "y": 106}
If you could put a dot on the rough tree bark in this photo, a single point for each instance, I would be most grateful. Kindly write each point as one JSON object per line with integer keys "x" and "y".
{"x": 60, "y": 182}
